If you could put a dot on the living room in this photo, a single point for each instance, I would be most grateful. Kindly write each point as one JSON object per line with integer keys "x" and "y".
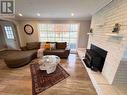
{"x": 52, "y": 47}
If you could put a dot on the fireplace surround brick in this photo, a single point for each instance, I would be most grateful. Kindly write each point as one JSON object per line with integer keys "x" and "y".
{"x": 115, "y": 12}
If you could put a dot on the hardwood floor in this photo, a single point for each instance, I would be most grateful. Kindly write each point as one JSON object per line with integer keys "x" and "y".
{"x": 18, "y": 81}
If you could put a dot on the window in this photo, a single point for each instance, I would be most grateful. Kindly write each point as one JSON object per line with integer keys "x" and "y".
{"x": 9, "y": 32}
{"x": 59, "y": 32}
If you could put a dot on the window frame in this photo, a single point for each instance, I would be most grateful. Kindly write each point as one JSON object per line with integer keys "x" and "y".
{"x": 9, "y": 32}
{"x": 47, "y": 31}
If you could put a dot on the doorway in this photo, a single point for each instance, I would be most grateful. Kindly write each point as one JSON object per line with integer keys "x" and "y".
{"x": 10, "y": 34}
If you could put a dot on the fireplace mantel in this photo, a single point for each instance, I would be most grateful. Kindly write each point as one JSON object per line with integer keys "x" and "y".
{"x": 108, "y": 34}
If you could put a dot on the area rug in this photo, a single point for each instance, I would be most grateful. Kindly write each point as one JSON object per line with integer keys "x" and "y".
{"x": 42, "y": 81}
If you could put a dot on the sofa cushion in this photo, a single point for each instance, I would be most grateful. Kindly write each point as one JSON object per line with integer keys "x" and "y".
{"x": 33, "y": 45}
{"x": 59, "y": 52}
{"x": 54, "y": 51}
{"x": 61, "y": 45}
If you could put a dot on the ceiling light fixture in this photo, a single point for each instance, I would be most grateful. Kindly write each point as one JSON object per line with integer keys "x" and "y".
{"x": 38, "y": 14}
{"x": 20, "y": 14}
{"x": 72, "y": 14}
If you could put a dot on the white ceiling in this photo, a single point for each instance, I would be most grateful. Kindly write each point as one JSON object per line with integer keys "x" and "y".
{"x": 58, "y": 9}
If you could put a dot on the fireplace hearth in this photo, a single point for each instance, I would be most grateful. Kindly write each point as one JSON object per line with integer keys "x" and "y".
{"x": 95, "y": 58}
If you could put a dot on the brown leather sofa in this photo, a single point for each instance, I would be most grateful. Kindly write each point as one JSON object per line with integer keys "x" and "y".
{"x": 18, "y": 58}
{"x": 61, "y": 50}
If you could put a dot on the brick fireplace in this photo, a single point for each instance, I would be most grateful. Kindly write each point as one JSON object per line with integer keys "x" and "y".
{"x": 115, "y": 12}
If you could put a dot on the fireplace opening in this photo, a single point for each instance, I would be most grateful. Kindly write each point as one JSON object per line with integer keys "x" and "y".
{"x": 95, "y": 58}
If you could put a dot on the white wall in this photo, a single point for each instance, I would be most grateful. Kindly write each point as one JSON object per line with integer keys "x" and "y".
{"x": 83, "y": 37}
{"x": 115, "y": 12}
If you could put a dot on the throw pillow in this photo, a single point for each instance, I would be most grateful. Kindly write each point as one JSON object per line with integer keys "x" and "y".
{"x": 52, "y": 46}
{"x": 47, "y": 45}
{"x": 40, "y": 53}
